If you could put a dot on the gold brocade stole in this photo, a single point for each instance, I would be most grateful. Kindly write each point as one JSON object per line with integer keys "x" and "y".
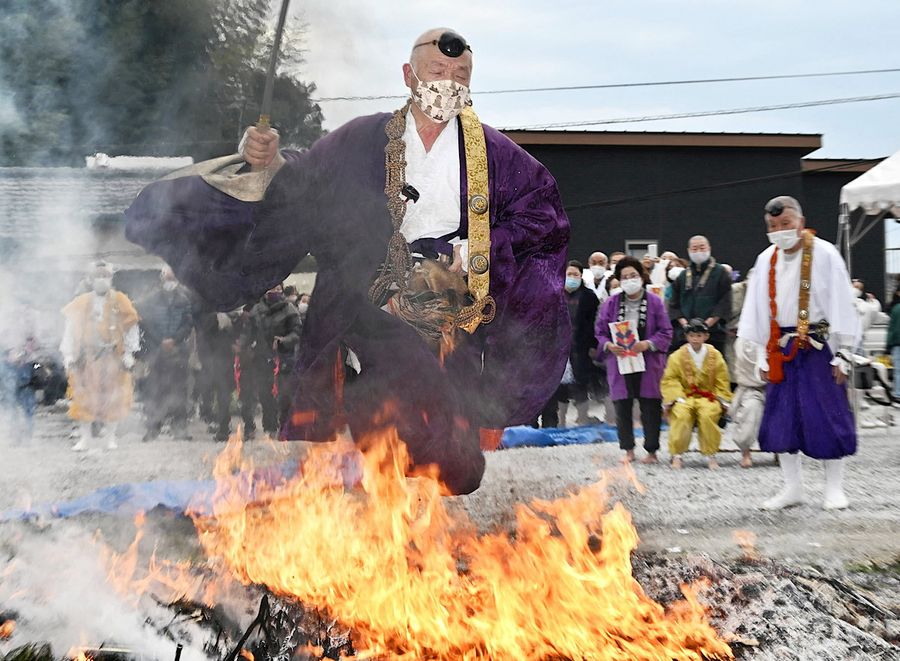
{"x": 436, "y": 318}
{"x": 483, "y": 309}
{"x": 776, "y": 358}
{"x": 690, "y": 372}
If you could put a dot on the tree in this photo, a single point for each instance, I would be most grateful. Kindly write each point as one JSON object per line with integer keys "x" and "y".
{"x": 166, "y": 77}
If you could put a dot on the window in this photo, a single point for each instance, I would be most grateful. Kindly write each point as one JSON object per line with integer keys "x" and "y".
{"x": 639, "y": 247}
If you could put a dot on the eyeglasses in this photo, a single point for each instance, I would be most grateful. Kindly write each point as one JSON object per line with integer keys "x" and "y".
{"x": 450, "y": 44}
{"x": 776, "y": 207}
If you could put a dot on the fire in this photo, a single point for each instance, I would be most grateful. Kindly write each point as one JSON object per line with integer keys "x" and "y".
{"x": 414, "y": 580}
{"x": 166, "y": 581}
{"x": 7, "y": 629}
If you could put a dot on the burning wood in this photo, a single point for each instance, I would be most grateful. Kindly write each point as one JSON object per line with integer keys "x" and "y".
{"x": 391, "y": 562}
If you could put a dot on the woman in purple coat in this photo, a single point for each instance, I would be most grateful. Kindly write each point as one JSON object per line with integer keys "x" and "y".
{"x": 647, "y": 312}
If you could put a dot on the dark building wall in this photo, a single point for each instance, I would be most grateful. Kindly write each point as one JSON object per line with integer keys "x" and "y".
{"x": 730, "y": 216}
{"x": 821, "y": 205}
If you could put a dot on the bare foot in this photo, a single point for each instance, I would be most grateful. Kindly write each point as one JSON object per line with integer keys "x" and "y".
{"x": 713, "y": 464}
{"x": 677, "y": 463}
{"x": 746, "y": 460}
{"x": 629, "y": 457}
{"x": 650, "y": 459}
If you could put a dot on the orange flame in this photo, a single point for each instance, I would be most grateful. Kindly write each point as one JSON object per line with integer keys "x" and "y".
{"x": 167, "y": 581}
{"x": 415, "y": 581}
{"x": 7, "y": 629}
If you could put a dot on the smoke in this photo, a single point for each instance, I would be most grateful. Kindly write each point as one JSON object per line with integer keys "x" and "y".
{"x": 55, "y": 584}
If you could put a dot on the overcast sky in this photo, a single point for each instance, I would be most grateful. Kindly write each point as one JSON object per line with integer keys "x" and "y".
{"x": 356, "y": 48}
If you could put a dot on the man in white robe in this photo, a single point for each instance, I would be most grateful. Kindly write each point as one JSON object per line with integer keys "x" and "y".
{"x": 807, "y": 409}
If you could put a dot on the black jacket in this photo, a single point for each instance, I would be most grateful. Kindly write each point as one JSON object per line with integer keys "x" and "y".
{"x": 165, "y": 314}
{"x": 269, "y": 320}
{"x": 583, "y": 305}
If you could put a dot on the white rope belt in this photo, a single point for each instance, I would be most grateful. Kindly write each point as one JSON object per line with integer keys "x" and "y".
{"x": 815, "y": 344}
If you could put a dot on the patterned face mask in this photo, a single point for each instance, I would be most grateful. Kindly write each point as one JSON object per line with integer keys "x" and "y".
{"x": 440, "y": 100}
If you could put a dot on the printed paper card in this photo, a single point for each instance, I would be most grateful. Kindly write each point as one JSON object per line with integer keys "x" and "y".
{"x": 625, "y": 335}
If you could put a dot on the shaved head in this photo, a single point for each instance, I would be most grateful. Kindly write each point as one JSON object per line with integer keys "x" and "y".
{"x": 698, "y": 242}
{"x": 429, "y": 63}
{"x": 415, "y": 54}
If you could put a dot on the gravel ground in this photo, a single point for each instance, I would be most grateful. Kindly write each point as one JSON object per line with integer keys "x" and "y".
{"x": 694, "y": 510}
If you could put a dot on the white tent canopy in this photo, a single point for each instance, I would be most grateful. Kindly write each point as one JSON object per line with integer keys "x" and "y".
{"x": 876, "y": 191}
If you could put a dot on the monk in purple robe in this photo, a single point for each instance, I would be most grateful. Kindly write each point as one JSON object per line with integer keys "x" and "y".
{"x": 384, "y": 204}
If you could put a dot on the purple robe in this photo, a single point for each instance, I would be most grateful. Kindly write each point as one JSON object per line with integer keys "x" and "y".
{"x": 329, "y": 202}
{"x": 658, "y": 331}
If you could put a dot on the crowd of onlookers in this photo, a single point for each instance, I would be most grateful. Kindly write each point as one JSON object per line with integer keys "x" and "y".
{"x": 656, "y": 339}
{"x": 652, "y": 338}
{"x": 177, "y": 358}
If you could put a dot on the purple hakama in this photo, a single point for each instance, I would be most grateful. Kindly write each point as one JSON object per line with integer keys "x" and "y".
{"x": 808, "y": 412}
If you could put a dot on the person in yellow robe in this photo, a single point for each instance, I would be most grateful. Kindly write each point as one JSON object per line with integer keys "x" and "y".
{"x": 99, "y": 341}
{"x": 696, "y": 392}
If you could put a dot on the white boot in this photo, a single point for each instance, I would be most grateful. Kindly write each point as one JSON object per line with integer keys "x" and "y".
{"x": 834, "y": 491}
{"x": 563, "y": 411}
{"x": 84, "y": 442}
{"x": 109, "y": 435}
{"x": 792, "y": 493}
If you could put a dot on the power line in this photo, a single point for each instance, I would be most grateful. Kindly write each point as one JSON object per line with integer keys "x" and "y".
{"x": 606, "y": 86}
{"x": 615, "y": 120}
{"x": 709, "y": 113}
{"x": 721, "y": 185}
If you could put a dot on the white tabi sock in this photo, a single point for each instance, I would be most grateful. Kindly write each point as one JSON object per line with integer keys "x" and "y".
{"x": 109, "y": 436}
{"x": 835, "y": 499}
{"x": 563, "y": 412}
{"x": 792, "y": 493}
{"x": 85, "y": 434}
{"x": 581, "y": 408}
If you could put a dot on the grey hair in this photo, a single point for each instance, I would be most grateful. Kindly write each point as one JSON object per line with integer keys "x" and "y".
{"x": 425, "y": 37}
{"x": 788, "y": 202}
{"x": 698, "y": 237}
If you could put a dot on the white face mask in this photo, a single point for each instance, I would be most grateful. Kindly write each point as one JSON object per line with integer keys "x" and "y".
{"x": 857, "y": 292}
{"x": 598, "y": 271}
{"x": 674, "y": 272}
{"x": 102, "y": 285}
{"x": 303, "y": 307}
{"x": 785, "y": 239}
{"x": 632, "y": 286}
{"x": 699, "y": 257}
{"x": 169, "y": 285}
{"x": 440, "y": 100}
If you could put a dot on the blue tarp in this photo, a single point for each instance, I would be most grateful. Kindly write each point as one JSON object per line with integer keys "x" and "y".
{"x": 129, "y": 499}
{"x": 518, "y": 437}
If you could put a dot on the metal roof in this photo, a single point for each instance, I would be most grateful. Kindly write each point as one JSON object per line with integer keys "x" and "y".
{"x": 68, "y": 215}
{"x": 806, "y": 141}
